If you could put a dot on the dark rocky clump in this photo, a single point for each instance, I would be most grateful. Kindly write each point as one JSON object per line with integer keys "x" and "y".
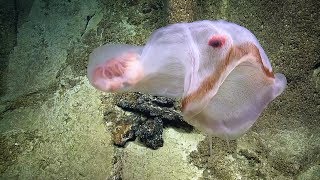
{"x": 150, "y": 133}
{"x": 151, "y": 115}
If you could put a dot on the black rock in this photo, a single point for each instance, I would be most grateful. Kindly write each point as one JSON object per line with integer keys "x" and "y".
{"x": 152, "y": 114}
{"x": 150, "y": 133}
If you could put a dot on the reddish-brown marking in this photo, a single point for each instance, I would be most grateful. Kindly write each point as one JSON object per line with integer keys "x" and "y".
{"x": 235, "y": 53}
{"x": 115, "y": 68}
{"x": 217, "y": 41}
{"x": 98, "y": 72}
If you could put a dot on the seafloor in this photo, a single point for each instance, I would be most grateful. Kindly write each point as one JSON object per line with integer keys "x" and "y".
{"x": 54, "y": 125}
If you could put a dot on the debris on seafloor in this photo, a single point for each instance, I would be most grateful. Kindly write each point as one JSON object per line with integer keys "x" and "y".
{"x": 150, "y": 115}
{"x": 150, "y": 133}
{"x": 122, "y": 133}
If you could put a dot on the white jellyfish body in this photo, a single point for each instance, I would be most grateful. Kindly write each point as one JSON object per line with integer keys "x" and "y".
{"x": 218, "y": 68}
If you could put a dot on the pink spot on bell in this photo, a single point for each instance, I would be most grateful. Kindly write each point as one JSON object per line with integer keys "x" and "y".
{"x": 217, "y": 41}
